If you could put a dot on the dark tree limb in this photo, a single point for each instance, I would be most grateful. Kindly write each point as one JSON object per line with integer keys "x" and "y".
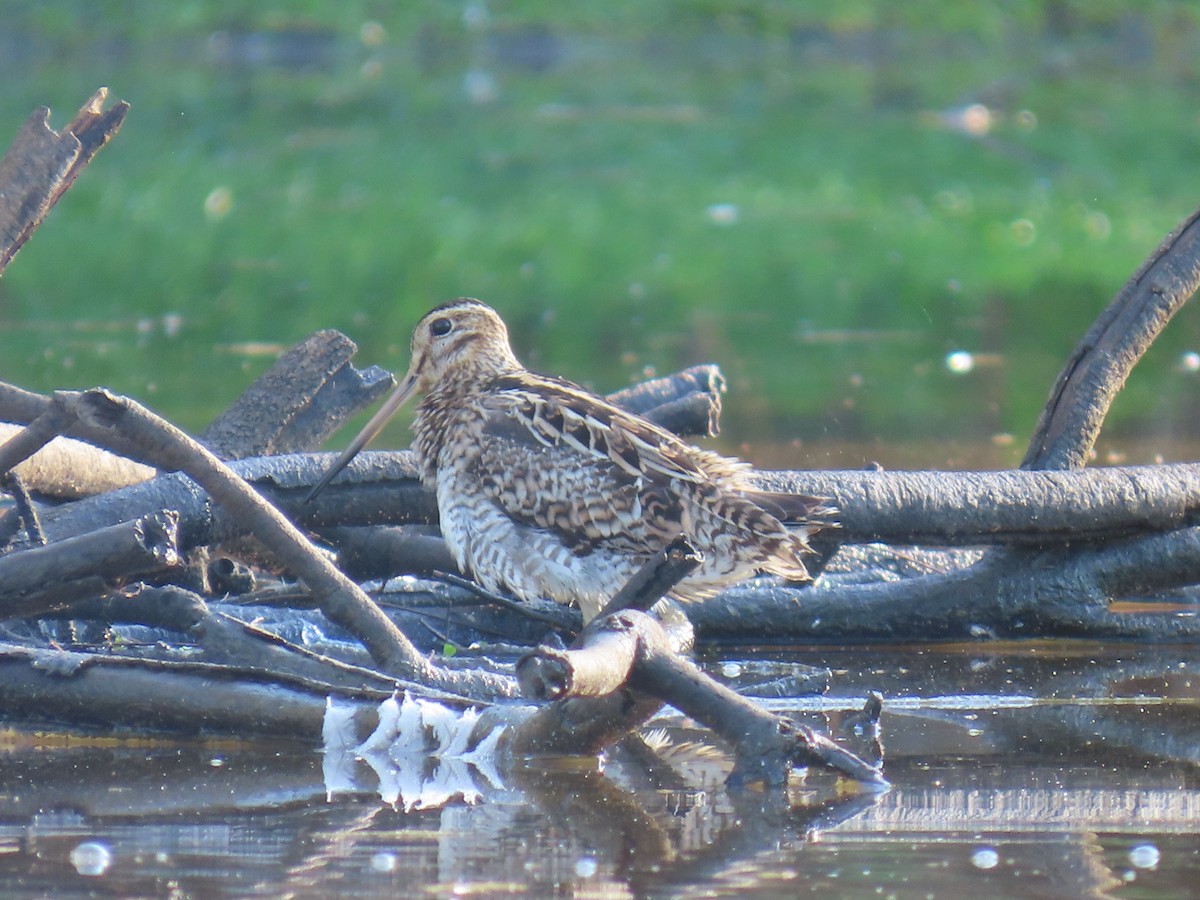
{"x": 58, "y": 595}
{"x": 23, "y": 510}
{"x": 1098, "y": 367}
{"x": 1048, "y": 594}
{"x": 29, "y": 579}
{"x": 766, "y": 747}
{"x": 381, "y": 552}
{"x": 184, "y": 698}
{"x": 41, "y": 164}
{"x": 1041, "y": 508}
{"x": 655, "y": 579}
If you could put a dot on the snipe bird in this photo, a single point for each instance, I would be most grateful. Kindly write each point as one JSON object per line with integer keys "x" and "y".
{"x": 546, "y": 490}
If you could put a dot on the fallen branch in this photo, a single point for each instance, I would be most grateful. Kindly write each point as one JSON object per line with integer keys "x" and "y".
{"x": 340, "y": 598}
{"x": 687, "y": 402}
{"x": 32, "y": 582}
{"x": 629, "y": 652}
{"x": 288, "y": 408}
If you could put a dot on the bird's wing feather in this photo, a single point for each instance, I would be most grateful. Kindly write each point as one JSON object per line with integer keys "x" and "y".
{"x": 560, "y": 412}
{"x": 560, "y": 458}
{"x": 553, "y": 457}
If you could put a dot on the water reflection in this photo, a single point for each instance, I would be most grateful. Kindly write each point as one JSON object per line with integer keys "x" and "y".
{"x": 1003, "y": 782}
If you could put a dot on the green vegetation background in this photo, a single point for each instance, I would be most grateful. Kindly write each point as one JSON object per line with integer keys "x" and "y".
{"x": 785, "y": 188}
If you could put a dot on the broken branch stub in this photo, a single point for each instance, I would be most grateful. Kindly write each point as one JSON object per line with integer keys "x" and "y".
{"x": 41, "y": 164}
{"x": 27, "y": 578}
{"x": 297, "y": 403}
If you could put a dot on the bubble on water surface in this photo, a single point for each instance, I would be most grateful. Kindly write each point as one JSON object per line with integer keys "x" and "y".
{"x": 585, "y": 867}
{"x": 1144, "y": 856}
{"x": 383, "y": 862}
{"x": 91, "y": 858}
{"x": 985, "y": 858}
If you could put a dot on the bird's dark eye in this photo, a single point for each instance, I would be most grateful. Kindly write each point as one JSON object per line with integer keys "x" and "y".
{"x": 440, "y": 327}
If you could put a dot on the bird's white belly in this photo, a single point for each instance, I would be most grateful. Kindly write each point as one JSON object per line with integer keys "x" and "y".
{"x": 505, "y": 555}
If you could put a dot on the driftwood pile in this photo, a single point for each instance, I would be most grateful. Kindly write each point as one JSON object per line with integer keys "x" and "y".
{"x": 205, "y": 543}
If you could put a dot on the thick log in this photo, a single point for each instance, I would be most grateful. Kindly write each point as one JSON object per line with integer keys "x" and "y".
{"x": 29, "y": 579}
{"x": 1050, "y": 594}
{"x": 1039, "y": 508}
{"x": 55, "y": 686}
{"x": 381, "y": 552}
{"x": 67, "y": 469}
{"x": 929, "y": 508}
{"x": 299, "y": 402}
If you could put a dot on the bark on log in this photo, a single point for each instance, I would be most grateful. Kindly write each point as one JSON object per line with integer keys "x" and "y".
{"x": 287, "y": 408}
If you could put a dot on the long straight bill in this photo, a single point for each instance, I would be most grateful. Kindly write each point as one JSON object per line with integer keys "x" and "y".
{"x": 398, "y": 398}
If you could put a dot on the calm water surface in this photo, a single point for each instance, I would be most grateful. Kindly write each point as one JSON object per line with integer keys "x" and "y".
{"x": 1025, "y": 772}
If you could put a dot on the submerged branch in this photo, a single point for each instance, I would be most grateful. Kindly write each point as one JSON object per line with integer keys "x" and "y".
{"x": 629, "y": 652}
{"x": 624, "y": 665}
